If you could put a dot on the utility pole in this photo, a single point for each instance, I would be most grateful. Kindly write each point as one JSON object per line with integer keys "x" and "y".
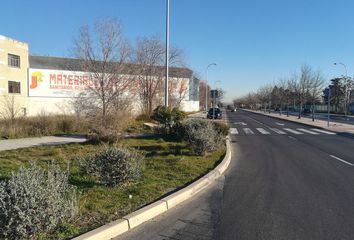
{"x": 328, "y": 104}
{"x": 167, "y": 48}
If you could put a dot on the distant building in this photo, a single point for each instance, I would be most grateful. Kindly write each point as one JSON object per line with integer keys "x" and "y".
{"x": 13, "y": 70}
{"x": 48, "y": 84}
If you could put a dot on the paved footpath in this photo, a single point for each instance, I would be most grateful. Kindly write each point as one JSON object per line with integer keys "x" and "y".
{"x": 38, "y": 141}
{"x": 333, "y": 126}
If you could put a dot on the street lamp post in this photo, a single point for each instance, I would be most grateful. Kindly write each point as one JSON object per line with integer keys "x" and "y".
{"x": 167, "y": 48}
{"x": 206, "y": 85}
{"x": 346, "y": 86}
{"x": 328, "y": 104}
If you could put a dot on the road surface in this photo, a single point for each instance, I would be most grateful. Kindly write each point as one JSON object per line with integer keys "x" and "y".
{"x": 286, "y": 181}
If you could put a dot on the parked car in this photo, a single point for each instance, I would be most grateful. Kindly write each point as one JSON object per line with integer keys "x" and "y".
{"x": 216, "y": 111}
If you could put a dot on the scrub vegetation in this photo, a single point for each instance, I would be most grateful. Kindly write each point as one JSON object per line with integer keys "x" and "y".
{"x": 169, "y": 164}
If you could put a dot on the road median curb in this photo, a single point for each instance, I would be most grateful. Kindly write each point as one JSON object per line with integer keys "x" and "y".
{"x": 154, "y": 209}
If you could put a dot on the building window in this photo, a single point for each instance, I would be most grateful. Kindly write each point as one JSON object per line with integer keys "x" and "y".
{"x": 14, "y": 87}
{"x": 13, "y": 60}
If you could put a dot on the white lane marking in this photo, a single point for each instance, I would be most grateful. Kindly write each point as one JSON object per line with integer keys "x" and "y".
{"x": 292, "y": 131}
{"x": 307, "y": 131}
{"x": 323, "y": 131}
{"x": 248, "y": 131}
{"x": 280, "y": 124}
{"x": 291, "y": 137}
{"x": 262, "y": 130}
{"x": 240, "y": 123}
{"x": 233, "y": 131}
{"x": 256, "y": 121}
{"x": 339, "y": 159}
{"x": 277, "y": 130}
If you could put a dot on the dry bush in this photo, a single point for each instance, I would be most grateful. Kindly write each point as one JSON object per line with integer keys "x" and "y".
{"x": 116, "y": 123}
{"x": 113, "y": 166}
{"x": 201, "y": 135}
{"x": 34, "y": 200}
{"x": 42, "y": 125}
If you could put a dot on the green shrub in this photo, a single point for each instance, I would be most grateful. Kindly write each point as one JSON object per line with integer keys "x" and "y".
{"x": 34, "y": 200}
{"x": 201, "y": 135}
{"x": 113, "y": 166}
{"x": 168, "y": 117}
{"x": 221, "y": 128}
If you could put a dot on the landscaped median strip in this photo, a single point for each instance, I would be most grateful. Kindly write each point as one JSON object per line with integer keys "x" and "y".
{"x": 152, "y": 210}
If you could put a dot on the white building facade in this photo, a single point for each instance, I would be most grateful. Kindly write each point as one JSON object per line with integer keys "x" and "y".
{"x": 50, "y": 84}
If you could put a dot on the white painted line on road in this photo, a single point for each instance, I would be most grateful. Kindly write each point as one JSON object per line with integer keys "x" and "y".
{"x": 262, "y": 130}
{"x": 256, "y": 121}
{"x": 233, "y": 131}
{"x": 291, "y": 137}
{"x": 339, "y": 159}
{"x": 280, "y": 124}
{"x": 307, "y": 131}
{"x": 292, "y": 131}
{"x": 248, "y": 131}
{"x": 240, "y": 123}
{"x": 277, "y": 130}
{"x": 323, "y": 131}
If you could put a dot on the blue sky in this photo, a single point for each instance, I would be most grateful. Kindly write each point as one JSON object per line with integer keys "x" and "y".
{"x": 252, "y": 41}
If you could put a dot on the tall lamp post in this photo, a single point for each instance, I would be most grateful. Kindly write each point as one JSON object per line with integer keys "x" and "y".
{"x": 346, "y": 85}
{"x": 167, "y": 48}
{"x": 328, "y": 104}
{"x": 206, "y": 85}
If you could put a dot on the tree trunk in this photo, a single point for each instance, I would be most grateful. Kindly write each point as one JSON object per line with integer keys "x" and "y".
{"x": 104, "y": 114}
{"x": 313, "y": 112}
{"x": 287, "y": 110}
{"x": 300, "y": 110}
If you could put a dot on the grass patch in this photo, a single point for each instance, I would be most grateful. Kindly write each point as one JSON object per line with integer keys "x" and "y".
{"x": 169, "y": 165}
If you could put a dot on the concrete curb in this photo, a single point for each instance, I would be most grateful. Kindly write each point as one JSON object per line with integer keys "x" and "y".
{"x": 152, "y": 210}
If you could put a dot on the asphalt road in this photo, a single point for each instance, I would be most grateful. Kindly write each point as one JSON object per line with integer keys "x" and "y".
{"x": 195, "y": 219}
{"x": 285, "y": 181}
{"x": 287, "y": 186}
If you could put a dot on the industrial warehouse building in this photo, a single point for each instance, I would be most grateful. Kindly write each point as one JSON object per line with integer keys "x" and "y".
{"x": 43, "y": 84}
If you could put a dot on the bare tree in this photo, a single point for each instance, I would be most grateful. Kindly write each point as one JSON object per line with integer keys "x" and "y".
{"x": 264, "y": 95}
{"x": 9, "y": 108}
{"x": 202, "y": 93}
{"x": 316, "y": 87}
{"x": 104, "y": 53}
{"x": 302, "y": 86}
{"x": 177, "y": 91}
{"x": 150, "y": 57}
{"x": 250, "y": 100}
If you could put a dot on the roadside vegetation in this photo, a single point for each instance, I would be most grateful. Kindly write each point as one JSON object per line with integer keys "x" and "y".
{"x": 109, "y": 176}
{"x": 113, "y": 179}
{"x": 306, "y": 92}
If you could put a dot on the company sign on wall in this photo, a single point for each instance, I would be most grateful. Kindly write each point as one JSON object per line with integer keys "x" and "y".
{"x": 57, "y": 83}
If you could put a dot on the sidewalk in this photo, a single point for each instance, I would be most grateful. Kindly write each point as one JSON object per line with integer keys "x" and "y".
{"x": 333, "y": 126}
{"x": 38, "y": 141}
{"x": 201, "y": 114}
